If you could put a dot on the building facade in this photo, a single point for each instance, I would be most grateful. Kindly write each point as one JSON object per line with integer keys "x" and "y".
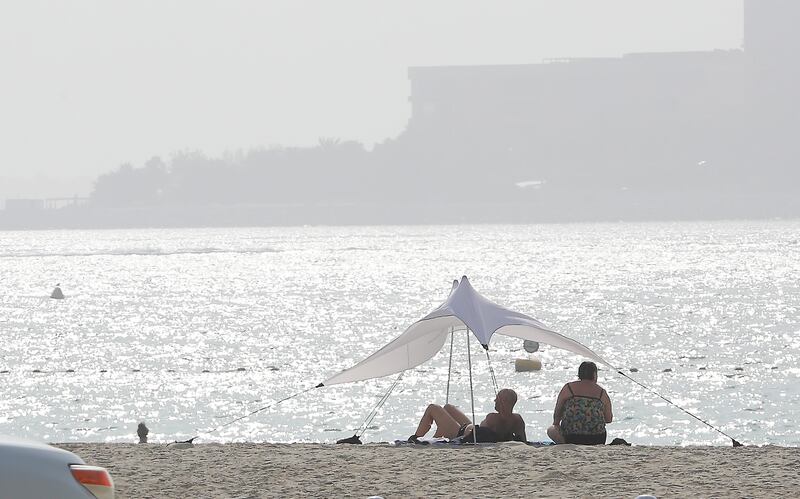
{"x": 654, "y": 127}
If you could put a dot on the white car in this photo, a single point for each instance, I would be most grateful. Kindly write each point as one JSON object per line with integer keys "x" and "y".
{"x": 31, "y": 470}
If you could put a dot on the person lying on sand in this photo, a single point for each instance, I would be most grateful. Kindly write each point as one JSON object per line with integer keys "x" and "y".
{"x": 501, "y": 426}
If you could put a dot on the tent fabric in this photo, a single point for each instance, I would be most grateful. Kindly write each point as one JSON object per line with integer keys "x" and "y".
{"x": 465, "y": 307}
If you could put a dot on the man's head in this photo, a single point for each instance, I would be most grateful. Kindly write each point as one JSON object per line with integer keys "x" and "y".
{"x": 505, "y": 400}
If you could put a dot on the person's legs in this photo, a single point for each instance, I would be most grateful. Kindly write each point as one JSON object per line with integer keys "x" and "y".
{"x": 457, "y": 414}
{"x": 554, "y": 432}
{"x": 446, "y": 426}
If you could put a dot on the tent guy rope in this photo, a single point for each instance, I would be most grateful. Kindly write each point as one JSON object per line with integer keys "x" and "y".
{"x": 251, "y": 413}
{"x": 735, "y": 442}
{"x": 363, "y": 428}
{"x": 491, "y": 371}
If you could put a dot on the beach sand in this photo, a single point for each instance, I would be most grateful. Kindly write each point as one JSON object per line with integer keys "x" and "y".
{"x": 507, "y": 470}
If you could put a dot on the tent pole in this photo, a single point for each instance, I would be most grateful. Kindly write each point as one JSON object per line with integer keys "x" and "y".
{"x": 471, "y": 394}
{"x": 449, "y": 368}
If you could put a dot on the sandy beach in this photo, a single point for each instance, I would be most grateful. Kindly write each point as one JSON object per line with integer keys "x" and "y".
{"x": 508, "y": 470}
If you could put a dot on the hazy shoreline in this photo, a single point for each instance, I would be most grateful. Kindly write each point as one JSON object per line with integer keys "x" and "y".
{"x": 545, "y": 212}
{"x": 511, "y": 470}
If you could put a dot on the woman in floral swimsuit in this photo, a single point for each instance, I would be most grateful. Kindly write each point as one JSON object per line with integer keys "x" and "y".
{"x": 582, "y": 410}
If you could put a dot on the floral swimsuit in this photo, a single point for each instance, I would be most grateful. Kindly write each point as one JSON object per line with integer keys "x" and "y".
{"x": 583, "y": 420}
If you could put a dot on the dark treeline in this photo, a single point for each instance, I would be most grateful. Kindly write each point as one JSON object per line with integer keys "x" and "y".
{"x": 396, "y": 176}
{"x": 332, "y": 172}
{"x": 418, "y": 180}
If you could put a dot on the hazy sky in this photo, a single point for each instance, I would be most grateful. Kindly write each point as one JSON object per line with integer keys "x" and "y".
{"x": 87, "y": 85}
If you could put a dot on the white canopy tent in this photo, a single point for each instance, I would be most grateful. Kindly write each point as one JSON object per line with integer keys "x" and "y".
{"x": 464, "y": 308}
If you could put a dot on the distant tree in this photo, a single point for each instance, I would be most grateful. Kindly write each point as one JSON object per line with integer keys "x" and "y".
{"x": 197, "y": 179}
{"x": 334, "y": 171}
{"x": 129, "y": 186}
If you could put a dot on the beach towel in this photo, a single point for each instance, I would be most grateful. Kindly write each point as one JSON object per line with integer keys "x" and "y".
{"x": 445, "y": 443}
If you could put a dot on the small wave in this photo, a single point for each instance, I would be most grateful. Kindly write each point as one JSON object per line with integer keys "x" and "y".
{"x": 140, "y": 252}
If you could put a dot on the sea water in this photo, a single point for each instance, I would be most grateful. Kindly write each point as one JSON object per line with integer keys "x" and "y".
{"x": 201, "y": 331}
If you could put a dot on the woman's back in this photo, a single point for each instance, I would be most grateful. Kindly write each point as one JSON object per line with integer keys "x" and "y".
{"x": 584, "y": 410}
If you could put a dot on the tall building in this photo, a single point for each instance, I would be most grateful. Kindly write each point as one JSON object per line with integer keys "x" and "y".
{"x": 771, "y": 34}
{"x": 772, "y": 46}
{"x": 696, "y": 127}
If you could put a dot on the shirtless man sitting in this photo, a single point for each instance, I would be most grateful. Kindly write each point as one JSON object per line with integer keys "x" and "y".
{"x": 503, "y": 425}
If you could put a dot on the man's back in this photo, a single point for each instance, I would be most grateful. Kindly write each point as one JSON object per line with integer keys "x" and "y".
{"x": 506, "y": 427}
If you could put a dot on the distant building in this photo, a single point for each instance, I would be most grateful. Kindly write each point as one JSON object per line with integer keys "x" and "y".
{"x": 22, "y": 206}
{"x": 770, "y": 31}
{"x": 35, "y": 205}
{"x": 772, "y": 47}
{"x": 666, "y": 122}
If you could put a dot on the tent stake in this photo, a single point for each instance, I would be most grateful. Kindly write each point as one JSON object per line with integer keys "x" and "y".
{"x": 471, "y": 394}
